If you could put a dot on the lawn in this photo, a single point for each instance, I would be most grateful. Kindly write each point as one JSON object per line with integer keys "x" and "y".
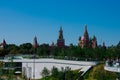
{"x": 98, "y": 73}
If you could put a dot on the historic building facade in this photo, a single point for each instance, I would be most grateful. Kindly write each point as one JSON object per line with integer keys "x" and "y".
{"x": 61, "y": 41}
{"x": 85, "y": 41}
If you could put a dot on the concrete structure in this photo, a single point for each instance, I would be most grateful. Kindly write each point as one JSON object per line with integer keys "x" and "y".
{"x": 113, "y": 66}
{"x": 112, "y": 69}
{"x": 28, "y": 65}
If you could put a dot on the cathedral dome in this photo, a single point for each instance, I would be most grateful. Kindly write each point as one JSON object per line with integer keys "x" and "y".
{"x": 82, "y": 38}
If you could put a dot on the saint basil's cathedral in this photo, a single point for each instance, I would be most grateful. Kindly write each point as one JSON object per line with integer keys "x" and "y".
{"x": 85, "y": 41}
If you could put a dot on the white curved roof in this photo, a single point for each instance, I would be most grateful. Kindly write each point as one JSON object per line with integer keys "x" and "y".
{"x": 112, "y": 69}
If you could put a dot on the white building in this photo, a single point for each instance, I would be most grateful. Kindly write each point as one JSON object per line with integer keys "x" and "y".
{"x": 29, "y": 66}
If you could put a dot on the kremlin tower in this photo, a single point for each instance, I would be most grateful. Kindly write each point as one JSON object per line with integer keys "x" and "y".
{"x": 3, "y": 44}
{"x": 35, "y": 44}
{"x": 60, "y": 41}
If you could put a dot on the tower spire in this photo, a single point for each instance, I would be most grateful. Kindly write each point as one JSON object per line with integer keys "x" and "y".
{"x": 4, "y": 43}
{"x": 60, "y": 41}
{"x": 61, "y": 33}
{"x": 86, "y": 37}
{"x": 35, "y": 44}
{"x": 85, "y": 41}
{"x": 85, "y": 31}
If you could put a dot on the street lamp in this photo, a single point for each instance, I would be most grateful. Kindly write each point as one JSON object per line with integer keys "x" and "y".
{"x": 35, "y": 48}
{"x": 34, "y": 65}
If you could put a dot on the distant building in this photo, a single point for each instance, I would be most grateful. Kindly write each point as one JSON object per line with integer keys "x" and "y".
{"x": 94, "y": 42}
{"x": 85, "y": 41}
{"x": 103, "y": 45}
{"x": 60, "y": 41}
{"x": 53, "y": 44}
{"x": 3, "y": 44}
{"x": 35, "y": 44}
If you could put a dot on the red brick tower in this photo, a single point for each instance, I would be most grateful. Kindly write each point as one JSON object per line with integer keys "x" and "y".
{"x": 35, "y": 44}
{"x": 60, "y": 41}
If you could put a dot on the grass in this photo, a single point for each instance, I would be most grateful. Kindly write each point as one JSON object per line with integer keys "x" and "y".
{"x": 98, "y": 73}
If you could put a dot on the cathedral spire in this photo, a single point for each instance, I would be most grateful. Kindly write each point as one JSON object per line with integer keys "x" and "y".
{"x": 85, "y": 31}
{"x": 85, "y": 41}
{"x": 86, "y": 37}
{"x": 94, "y": 42}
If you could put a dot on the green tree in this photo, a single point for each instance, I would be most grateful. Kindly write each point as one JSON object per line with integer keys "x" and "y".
{"x": 12, "y": 49}
{"x": 45, "y": 72}
{"x": 55, "y": 73}
{"x": 25, "y": 48}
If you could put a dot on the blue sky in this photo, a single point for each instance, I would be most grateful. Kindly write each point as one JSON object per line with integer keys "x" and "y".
{"x": 21, "y": 20}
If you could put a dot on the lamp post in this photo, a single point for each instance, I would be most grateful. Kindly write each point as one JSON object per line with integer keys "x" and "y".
{"x": 35, "y": 50}
{"x": 34, "y": 65}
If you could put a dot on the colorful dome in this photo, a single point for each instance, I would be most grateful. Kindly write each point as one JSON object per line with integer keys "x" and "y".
{"x": 82, "y": 38}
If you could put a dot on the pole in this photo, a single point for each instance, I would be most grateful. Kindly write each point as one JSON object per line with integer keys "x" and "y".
{"x": 35, "y": 47}
{"x": 34, "y": 65}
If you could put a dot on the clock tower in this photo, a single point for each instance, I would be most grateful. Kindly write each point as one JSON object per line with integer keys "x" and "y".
{"x": 60, "y": 41}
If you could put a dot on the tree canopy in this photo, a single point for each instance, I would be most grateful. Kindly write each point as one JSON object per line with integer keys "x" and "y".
{"x": 68, "y": 52}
